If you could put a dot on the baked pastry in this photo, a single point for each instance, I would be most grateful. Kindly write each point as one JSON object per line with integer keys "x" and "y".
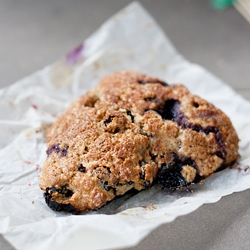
{"x": 132, "y": 131}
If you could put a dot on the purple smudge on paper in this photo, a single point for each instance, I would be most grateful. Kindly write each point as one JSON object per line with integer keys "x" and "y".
{"x": 74, "y": 55}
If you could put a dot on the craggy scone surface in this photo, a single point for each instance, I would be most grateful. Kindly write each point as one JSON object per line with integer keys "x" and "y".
{"x": 129, "y": 132}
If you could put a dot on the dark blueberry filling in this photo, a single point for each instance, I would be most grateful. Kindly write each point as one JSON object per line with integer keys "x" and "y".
{"x": 116, "y": 130}
{"x": 148, "y": 81}
{"x": 220, "y": 154}
{"x": 170, "y": 111}
{"x": 57, "y": 149}
{"x": 109, "y": 120}
{"x": 63, "y": 190}
{"x": 62, "y": 207}
{"x": 178, "y": 162}
{"x": 142, "y": 174}
{"x": 51, "y": 190}
{"x": 81, "y": 168}
{"x": 145, "y": 183}
{"x": 106, "y": 186}
{"x": 125, "y": 183}
{"x": 57, "y": 206}
{"x": 132, "y": 117}
{"x": 198, "y": 179}
{"x": 153, "y": 157}
{"x": 169, "y": 175}
{"x": 171, "y": 179}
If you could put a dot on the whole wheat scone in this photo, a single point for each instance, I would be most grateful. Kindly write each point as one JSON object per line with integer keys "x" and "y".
{"x": 132, "y": 131}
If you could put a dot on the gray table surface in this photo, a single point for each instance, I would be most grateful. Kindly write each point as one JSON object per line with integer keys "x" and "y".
{"x": 36, "y": 33}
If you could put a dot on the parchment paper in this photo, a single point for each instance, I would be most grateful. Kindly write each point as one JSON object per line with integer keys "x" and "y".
{"x": 129, "y": 40}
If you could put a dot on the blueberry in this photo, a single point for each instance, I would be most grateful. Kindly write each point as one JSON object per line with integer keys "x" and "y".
{"x": 170, "y": 110}
{"x": 109, "y": 120}
{"x": 130, "y": 114}
{"x": 81, "y": 168}
{"x": 169, "y": 175}
{"x": 171, "y": 179}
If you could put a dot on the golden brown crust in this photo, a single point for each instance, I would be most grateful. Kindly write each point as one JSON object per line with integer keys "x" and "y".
{"x": 128, "y": 132}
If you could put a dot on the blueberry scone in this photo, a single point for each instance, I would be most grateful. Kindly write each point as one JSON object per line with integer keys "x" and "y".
{"x": 132, "y": 131}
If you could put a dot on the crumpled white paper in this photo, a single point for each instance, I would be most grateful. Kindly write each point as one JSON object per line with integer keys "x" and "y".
{"x": 129, "y": 40}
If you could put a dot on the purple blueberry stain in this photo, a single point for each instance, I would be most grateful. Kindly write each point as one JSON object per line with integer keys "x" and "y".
{"x": 55, "y": 148}
{"x": 171, "y": 111}
{"x": 74, "y": 55}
